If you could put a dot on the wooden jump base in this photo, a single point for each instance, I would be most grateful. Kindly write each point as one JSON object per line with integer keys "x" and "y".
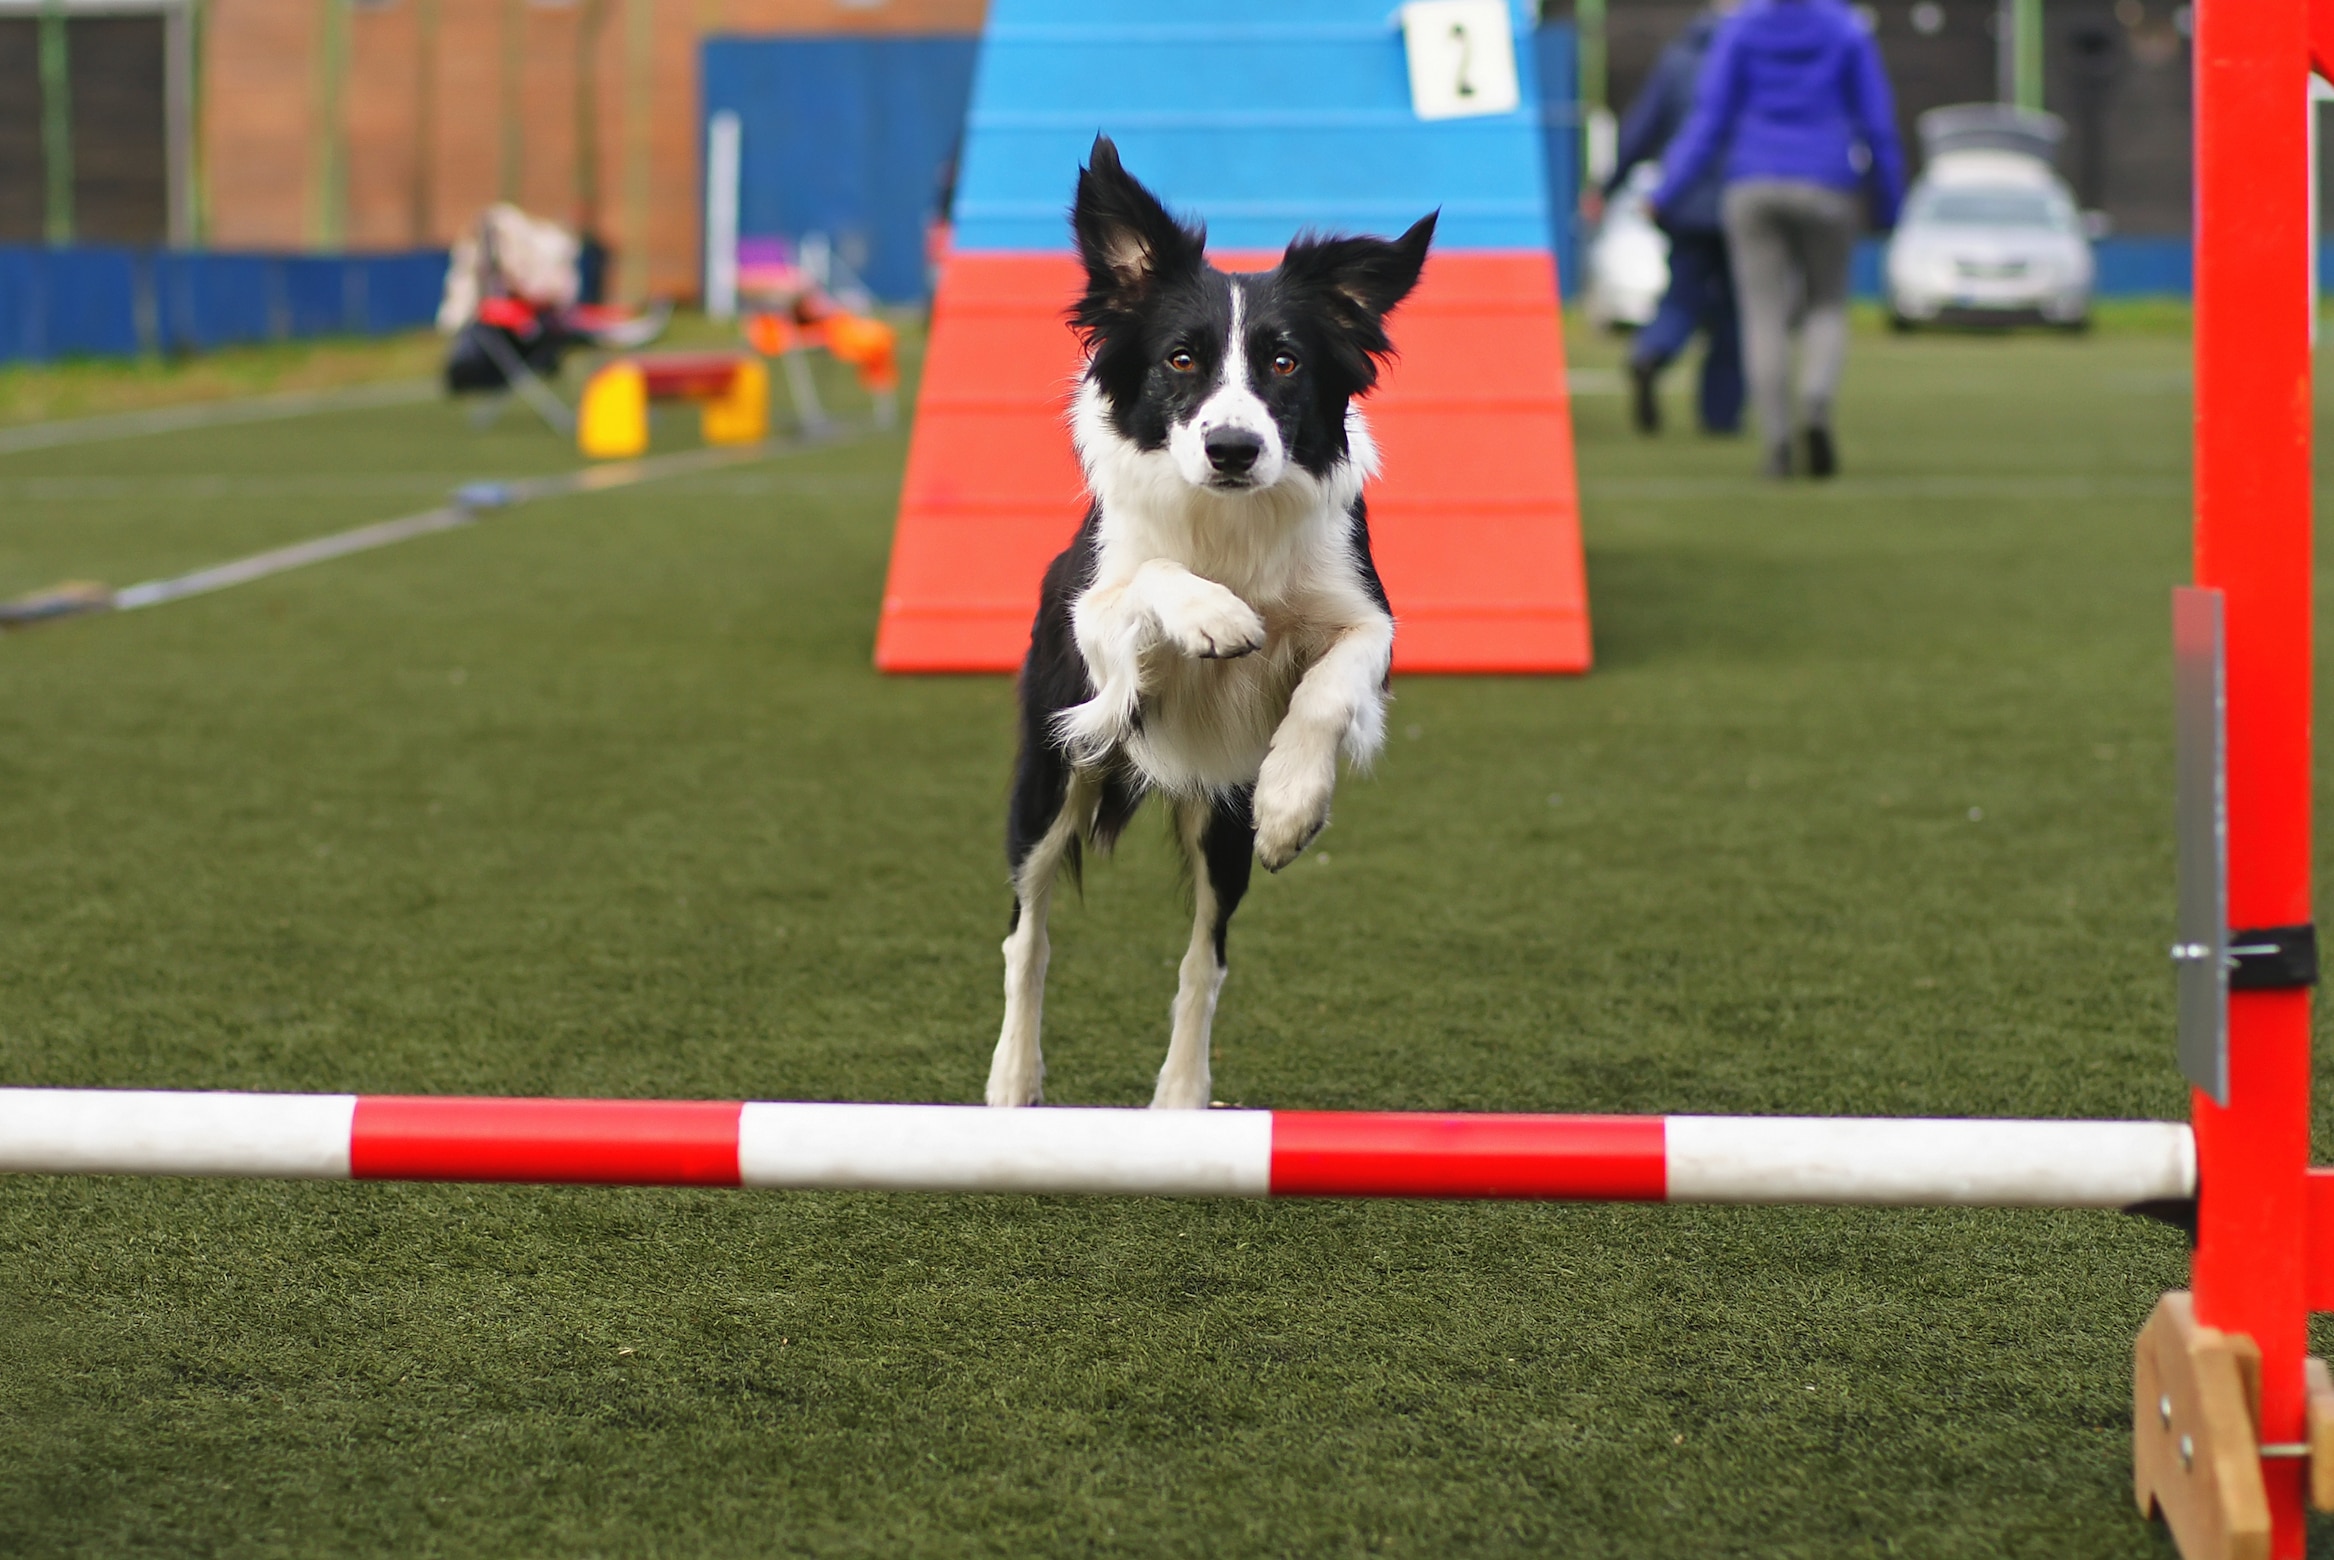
{"x": 1215, "y": 1153}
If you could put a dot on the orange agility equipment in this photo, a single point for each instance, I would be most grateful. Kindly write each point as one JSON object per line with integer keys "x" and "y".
{"x": 1475, "y": 522}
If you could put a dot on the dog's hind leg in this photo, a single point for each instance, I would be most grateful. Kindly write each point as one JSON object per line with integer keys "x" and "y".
{"x": 1219, "y": 841}
{"x": 1017, "y": 1070}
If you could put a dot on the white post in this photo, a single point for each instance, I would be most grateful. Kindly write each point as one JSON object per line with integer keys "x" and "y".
{"x": 723, "y": 138}
{"x": 178, "y": 122}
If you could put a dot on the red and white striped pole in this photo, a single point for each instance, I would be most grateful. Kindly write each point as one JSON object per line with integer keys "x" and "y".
{"x": 1216, "y": 1153}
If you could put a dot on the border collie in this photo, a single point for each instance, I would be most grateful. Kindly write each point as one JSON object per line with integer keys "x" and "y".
{"x": 1216, "y": 631}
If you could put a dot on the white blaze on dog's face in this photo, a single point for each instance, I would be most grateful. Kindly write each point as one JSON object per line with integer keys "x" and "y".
{"x": 1240, "y": 381}
{"x": 1230, "y": 440}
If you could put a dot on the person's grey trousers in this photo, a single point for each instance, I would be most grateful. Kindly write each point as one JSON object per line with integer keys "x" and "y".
{"x": 1791, "y": 242}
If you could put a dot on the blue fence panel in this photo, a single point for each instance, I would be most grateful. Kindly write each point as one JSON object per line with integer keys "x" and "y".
{"x": 317, "y": 296}
{"x": 2130, "y": 266}
{"x": 1557, "y": 46}
{"x": 92, "y": 305}
{"x": 111, "y": 301}
{"x": 76, "y": 302}
{"x": 1866, "y": 266}
{"x": 844, "y": 136}
{"x": 23, "y": 304}
{"x": 402, "y": 291}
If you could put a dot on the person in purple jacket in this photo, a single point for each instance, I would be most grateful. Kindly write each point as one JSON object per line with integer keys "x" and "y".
{"x": 1700, "y": 295}
{"x": 1795, "y": 93}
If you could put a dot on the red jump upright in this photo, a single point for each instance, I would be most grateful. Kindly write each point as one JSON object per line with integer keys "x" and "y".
{"x": 2230, "y": 1479}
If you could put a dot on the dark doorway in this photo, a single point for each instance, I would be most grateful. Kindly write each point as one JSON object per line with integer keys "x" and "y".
{"x": 121, "y": 156}
{"x": 22, "y": 188}
{"x": 119, "y": 130}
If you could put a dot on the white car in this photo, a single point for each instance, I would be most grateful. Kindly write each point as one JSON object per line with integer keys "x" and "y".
{"x": 1628, "y": 259}
{"x": 1989, "y": 233}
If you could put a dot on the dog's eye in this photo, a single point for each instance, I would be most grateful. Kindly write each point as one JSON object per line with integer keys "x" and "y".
{"x": 1181, "y": 361}
{"x": 1283, "y": 365}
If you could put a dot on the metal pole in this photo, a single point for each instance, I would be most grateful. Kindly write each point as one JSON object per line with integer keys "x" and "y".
{"x": 56, "y": 72}
{"x": 2026, "y": 21}
{"x": 330, "y": 224}
{"x": 590, "y": 17}
{"x": 1596, "y": 119}
{"x": 639, "y": 102}
{"x": 510, "y": 164}
{"x": 178, "y": 120}
{"x": 1589, "y": 23}
{"x": 2252, "y": 542}
{"x": 724, "y": 154}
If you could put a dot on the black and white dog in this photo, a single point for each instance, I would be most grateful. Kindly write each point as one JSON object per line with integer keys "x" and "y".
{"x": 1216, "y": 632}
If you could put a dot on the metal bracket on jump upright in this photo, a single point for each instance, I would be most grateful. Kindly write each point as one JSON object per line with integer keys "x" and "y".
{"x": 2201, "y": 953}
{"x": 2213, "y": 960}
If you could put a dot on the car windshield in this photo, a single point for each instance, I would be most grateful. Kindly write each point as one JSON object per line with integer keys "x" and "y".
{"x": 1992, "y": 208}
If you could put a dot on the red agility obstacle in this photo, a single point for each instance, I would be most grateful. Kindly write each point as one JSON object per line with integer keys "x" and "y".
{"x": 1475, "y": 524}
{"x": 2228, "y": 1413}
{"x": 1475, "y": 520}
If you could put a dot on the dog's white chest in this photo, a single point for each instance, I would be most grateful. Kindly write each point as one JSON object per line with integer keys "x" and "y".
{"x": 1206, "y": 725}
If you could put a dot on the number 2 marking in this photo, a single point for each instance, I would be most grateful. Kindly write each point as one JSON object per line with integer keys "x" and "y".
{"x": 1466, "y": 58}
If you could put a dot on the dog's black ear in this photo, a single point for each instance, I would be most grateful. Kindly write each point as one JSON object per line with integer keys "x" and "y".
{"x": 1127, "y": 239}
{"x": 1361, "y": 278}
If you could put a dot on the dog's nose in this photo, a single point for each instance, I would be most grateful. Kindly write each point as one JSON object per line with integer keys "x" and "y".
{"x": 1233, "y": 450}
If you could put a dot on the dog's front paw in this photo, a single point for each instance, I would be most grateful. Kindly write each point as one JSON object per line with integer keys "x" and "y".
{"x": 1207, "y": 622}
{"x": 1176, "y": 1092}
{"x": 1016, "y": 1078}
{"x": 1292, "y": 805}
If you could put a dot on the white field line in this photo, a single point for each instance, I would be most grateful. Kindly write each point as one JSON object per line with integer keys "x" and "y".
{"x": 214, "y": 414}
{"x": 276, "y": 560}
{"x": 468, "y": 504}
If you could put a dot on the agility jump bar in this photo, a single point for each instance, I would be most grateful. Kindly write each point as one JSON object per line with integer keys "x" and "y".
{"x": 1213, "y": 1153}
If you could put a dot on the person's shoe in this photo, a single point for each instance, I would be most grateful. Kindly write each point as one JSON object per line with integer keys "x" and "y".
{"x": 1777, "y": 463}
{"x": 1644, "y": 405}
{"x": 1822, "y": 460}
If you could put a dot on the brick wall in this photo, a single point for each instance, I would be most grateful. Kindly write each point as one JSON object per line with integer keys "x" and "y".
{"x": 450, "y": 104}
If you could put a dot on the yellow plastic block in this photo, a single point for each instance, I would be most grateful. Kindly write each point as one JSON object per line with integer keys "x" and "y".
{"x": 743, "y": 415}
{"x": 613, "y": 423}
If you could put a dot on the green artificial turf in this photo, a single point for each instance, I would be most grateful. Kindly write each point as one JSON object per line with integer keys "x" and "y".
{"x": 1865, "y": 809}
